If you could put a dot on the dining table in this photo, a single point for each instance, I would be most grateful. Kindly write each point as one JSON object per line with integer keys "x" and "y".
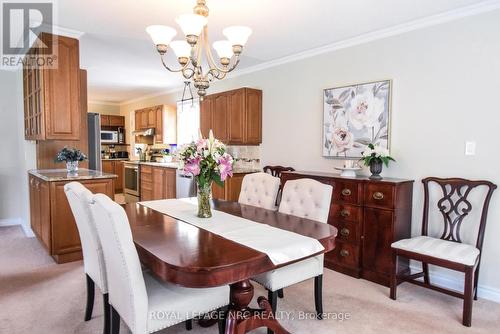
{"x": 183, "y": 254}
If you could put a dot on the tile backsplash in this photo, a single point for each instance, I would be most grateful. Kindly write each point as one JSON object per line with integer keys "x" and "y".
{"x": 245, "y": 156}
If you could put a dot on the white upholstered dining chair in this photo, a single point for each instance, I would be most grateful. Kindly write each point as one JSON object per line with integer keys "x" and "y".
{"x": 310, "y": 199}
{"x": 93, "y": 261}
{"x": 145, "y": 303}
{"x": 259, "y": 189}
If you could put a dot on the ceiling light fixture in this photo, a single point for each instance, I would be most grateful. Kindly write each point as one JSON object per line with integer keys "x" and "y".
{"x": 190, "y": 51}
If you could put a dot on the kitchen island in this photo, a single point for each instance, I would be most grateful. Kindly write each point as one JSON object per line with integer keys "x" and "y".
{"x": 50, "y": 215}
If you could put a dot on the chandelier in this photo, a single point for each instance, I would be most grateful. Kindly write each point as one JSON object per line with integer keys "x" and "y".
{"x": 190, "y": 51}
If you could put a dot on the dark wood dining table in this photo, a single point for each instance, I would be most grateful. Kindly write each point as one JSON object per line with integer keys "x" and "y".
{"x": 189, "y": 256}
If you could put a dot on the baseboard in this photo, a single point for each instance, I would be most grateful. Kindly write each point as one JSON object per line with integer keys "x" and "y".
{"x": 450, "y": 282}
{"x": 18, "y": 221}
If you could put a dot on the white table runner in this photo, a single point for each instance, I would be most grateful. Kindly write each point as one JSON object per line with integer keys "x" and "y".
{"x": 279, "y": 245}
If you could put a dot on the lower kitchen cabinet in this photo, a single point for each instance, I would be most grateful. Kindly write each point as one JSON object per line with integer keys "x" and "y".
{"x": 231, "y": 189}
{"x": 52, "y": 220}
{"x": 157, "y": 183}
{"x": 114, "y": 167}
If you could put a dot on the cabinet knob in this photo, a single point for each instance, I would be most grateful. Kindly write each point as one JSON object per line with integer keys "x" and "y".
{"x": 344, "y": 253}
{"x": 345, "y": 213}
{"x": 346, "y": 192}
{"x": 345, "y": 232}
{"x": 378, "y": 195}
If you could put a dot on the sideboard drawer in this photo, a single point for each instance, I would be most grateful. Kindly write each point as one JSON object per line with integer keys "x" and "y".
{"x": 379, "y": 194}
{"x": 345, "y": 212}
{"x": 347, "y": 192}
{"x": 346, "y": 254}
{"x": 347, "y": 231}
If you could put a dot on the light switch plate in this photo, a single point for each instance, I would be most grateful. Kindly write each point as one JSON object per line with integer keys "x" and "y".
{"x": 470, "y": 148}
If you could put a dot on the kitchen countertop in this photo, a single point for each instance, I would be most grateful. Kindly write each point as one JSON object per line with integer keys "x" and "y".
{"x": 116, "y": 159}
{"x": 176, "y": 165}
{"x": 52, "y": 175}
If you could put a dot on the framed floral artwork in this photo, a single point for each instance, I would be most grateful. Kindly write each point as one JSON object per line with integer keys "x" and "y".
{"x": 355, "y": 116}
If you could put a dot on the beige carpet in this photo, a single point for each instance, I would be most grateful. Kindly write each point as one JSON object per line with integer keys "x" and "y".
{"x": 38, "y": 296}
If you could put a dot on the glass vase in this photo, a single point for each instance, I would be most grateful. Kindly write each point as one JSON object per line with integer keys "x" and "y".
{"x": 72, "y": 166}
{"x": 204, "y": 196}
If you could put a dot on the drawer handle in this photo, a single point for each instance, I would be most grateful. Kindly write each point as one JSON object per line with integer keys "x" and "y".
{"x": 345, "y": 213}
{"x": 345, "y": 232}
{"x": 344, "y": 253}
{"x": 346, "y": 192}
{"x": 378, "y": 195}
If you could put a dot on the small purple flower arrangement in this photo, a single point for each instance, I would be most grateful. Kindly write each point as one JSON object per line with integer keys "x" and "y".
{"x": 71, "y": 156}
{"x": 207, "y": 160}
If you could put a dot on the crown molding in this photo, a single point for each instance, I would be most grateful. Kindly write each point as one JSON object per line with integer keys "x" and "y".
{"x": 452, "y": 15}
{"x": 62, "y": 31}
{"x": 103, "y": 103}
{"x": 479, "y": 8}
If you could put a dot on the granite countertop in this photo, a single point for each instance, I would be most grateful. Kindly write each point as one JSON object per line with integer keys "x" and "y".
{"x": 115, "y": 159}
{"x": 52, "y": 175}
{"x": 176, "y": 165}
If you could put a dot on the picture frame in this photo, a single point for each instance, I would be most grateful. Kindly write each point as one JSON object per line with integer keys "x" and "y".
{"x": 355, "y": 116}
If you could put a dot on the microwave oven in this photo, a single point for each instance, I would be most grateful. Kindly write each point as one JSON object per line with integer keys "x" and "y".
{"x": 109, "y": 137}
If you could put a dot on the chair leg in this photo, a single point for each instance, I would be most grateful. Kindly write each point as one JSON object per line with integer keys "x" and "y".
{"x": 115, "y": 321}
{"x": 318, "y": 296}
{"x": 107, "y": 327}
{"x": 394, "y": 275}
{"x": 189, "y": 324}
{"x": 272, "y": 296}
{"x": 222, "y": 316}
{"x": 468, "y": 297}
{"x": 476, "y": 279}
{"x": 425, "y": 269}
{"x": 90, "y": 298}
{"x": 281, "y": 294}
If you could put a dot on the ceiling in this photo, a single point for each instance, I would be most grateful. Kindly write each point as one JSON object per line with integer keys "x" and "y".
{"x": 123, "y": 64}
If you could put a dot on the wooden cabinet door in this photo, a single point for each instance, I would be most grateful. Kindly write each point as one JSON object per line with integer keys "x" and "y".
{"x": 377, "y": 240}
{"x": 253, "y": 115}
{"x": 233, "y": 187}
{"x": 151, "y": 118}
{"x": 119, "y": 171}
{"x": 108, "y": 167}
{"x": 158, "y": 183}
{"x": 219, "y": 117}
{"x": 104, "y": 120}
{"x": 236, "y": 117}
{"x": 35, "y": 205}
{"x": 218, "y": 192}
{"x": 118, "y": 121}
{"x": 158, "y": 124}
{"x": 45, "y": 226}
{"x": 170, "y": 183}
{"x": 206, "y": 113}
{"x": 62, "y": 91}
{"x": 138, "y": 119}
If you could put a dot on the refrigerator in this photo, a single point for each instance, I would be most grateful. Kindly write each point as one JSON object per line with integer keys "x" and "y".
{"x": 94, "y": 151}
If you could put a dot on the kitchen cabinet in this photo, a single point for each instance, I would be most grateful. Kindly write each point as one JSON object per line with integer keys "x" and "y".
{"x": 51, "y": 218}
{"x": 157, "y": 182}
{"x": 231, "y": 189}
{"x": 112, "y": 121}
{"x": 369, "y": 215}
{"x": 114, "y": 167}
{"x": 235, "y": 117}
{"x": 162, "y": 118}
{"x": 52, "y": 108}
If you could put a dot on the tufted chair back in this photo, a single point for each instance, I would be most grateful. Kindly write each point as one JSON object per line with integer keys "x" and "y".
{"x": 306, "y": 198}
{"x": 93, "y": 261}
{"x": 259, "y": 189}
{"x": 127, "y": 290}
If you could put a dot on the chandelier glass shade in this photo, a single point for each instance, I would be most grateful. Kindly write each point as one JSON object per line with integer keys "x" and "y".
{"x": 195, "y": 48}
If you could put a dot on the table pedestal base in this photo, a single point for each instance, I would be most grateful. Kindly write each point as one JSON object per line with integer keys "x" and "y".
{"x": 242, "y": 319}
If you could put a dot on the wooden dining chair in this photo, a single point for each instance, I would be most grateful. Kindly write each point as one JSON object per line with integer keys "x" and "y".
{"x": 448, "y": 249}
{"x": 305, "y": 198}
{"x": 145, "y": 303}
{"x": 93, "y": 261}
{"x": 260, "y": 190}
{"x": 276, "y": 172}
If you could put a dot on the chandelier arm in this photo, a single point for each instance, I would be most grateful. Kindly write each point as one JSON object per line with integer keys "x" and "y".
{"x": 171, "y": 70}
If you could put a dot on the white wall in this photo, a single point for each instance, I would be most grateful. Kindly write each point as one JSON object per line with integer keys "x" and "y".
{"x": 445, "y": 91}
{"x": 102, "y": 108}
{"x": 17, "y": 154}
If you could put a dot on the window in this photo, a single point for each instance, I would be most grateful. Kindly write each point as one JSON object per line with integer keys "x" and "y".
{"x": 188, "y": 121}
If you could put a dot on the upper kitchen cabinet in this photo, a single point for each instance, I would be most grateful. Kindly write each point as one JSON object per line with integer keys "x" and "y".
{"x": 52, "y": 96}
{"x": 113, "y": 121}
{"x": 162, "y": 118}
{"x": 234, "y": 116}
